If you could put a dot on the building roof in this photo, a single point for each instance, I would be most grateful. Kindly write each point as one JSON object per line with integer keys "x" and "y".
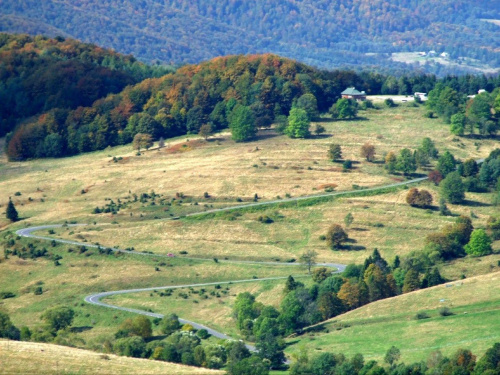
{"x": 352, "y": 91}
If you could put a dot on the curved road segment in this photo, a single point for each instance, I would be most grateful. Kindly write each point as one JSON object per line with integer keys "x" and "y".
{"x": 95, "y": 299}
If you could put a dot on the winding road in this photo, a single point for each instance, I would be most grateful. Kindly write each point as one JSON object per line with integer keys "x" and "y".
{"x": 95, "y": 299}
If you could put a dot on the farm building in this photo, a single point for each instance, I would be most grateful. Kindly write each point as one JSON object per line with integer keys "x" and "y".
{"x": 352, "y": 93}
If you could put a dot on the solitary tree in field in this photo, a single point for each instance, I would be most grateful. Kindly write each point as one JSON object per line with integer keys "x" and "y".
{"x": 446, "y": 163}
{"x": 368, "y": 151}
{"x": 319, "y": 129}
{"x": 336, "y": 236}
{"x": 142, "y": 140}
{"x": 11, "y": 213}
{"x": 334, "y": 152}
{"x": 406, "y": 162}
{"x": 205, "y": 131}
{"x": 435, "y": 176}
{"x": 308, "y": 259}
{"x": 418, "y": 198}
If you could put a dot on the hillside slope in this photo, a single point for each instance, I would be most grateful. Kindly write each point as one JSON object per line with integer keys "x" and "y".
{"x": 38, "y": 74}
{"x": 322, "y": 33}
{"x": 474, "y": 323}
{"x": 20, "y": 357}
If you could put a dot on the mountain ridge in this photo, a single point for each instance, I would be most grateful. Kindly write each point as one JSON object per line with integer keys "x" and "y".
{"x": 319, "y": 33}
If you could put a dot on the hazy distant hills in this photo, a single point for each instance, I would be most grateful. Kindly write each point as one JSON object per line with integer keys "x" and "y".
{"x": 320, "y": 32}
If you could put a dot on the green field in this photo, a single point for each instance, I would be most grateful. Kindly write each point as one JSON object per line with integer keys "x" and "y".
{"x": 373, "y": 328}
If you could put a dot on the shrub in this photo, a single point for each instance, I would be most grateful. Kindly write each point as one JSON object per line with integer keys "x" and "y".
{"x": 389, "y": 103}
{"x": 265, "y": 219}
{"x": 445, "y": 311}
{"x": 346, "y": 165}
{"x": 422, "y": 315}
{"x": 5, "y": 295}
{"x": 416, "y": 198}
{"x": 203, "y": 334}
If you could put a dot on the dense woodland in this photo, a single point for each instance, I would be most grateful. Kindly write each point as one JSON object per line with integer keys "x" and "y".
{"x": 182, "y": 102}
{"x": 38, "y": 74}
{"x": 322, "y": 33}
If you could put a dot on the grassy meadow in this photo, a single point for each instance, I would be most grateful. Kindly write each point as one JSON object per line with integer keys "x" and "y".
{"x": 372, "y": 329}
{"x": 58, "y": 190}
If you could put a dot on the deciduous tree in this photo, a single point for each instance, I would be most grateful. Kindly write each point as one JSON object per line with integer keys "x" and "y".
{"x": 452, "y": 188}
{"x": 334, "y": 152}
{"x": 308, "y": 259}
{"x": 142, "y": 140}
{"x": 298, "y": 124}
{"x": 368, "y": 151}
{"x": 479, "y": 244}
{"x": 336, "y": 236}
{"x": 59, "y": 317}
{"x": 242, "y": 123}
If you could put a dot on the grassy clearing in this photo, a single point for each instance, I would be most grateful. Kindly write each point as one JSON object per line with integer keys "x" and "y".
{"x": 374, "y": 328}
{"x": 38, "y": 358}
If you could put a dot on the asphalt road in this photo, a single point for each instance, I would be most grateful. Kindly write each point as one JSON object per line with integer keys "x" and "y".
{"x": 95, "y": 299}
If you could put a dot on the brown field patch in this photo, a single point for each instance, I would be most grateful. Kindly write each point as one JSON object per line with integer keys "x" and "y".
{"x": 20, "y": 357}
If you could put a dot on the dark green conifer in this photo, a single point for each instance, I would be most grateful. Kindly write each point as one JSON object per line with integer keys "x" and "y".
{"x": 11, "y": 212}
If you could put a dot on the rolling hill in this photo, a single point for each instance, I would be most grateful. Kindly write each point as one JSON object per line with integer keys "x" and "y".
{"x": 21, "y": 357}
{"x": 38, "y": 74}
{"x": 321, "y": 33}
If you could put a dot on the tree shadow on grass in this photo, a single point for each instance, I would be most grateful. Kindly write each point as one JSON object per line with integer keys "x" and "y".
{"x": 80, "y": 329}
{"x": 216, "y": 139}
{"x": 470, "y": 203}
{"x": 349, "y": 246}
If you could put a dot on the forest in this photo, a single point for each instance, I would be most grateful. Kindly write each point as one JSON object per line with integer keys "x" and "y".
{"x": 38, "y": 74}
{"x": 68, "y": 113}
{"x": 321, "y": 33}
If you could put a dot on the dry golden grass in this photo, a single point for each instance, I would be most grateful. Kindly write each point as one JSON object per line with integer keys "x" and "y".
{"x": 380, "y": 221}
{"x": 18, "y": 357}
{"x": 221, "y": 167}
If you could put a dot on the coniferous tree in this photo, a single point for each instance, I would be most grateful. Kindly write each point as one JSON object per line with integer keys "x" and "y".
{"x": 11, "y": 213}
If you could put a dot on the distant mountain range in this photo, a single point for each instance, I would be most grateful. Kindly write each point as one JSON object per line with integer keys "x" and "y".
{"x": 323, "y": 33}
